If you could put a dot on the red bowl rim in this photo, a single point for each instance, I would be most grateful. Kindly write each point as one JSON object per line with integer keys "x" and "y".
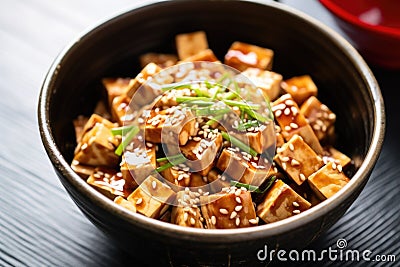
{"x": 351, "y": 18}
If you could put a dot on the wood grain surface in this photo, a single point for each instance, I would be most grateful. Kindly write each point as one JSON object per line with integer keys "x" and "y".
{"x": 39, "y": 223}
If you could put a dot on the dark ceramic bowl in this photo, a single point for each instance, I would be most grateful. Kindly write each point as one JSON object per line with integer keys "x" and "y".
{"x": 373, "y": 26}
{"x": 302, "y": 46}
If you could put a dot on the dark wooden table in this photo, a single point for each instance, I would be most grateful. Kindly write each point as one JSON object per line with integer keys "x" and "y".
{"x": 41, "y": 226}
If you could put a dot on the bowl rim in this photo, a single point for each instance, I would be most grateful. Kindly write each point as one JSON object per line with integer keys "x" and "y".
{"x": 349, "y": 17}
{"x": 214, "y": 235}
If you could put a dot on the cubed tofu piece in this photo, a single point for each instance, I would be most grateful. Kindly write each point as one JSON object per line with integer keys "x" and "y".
{"x": 297, "y": 159}
{"x": 162, "y": 60}
{"x": 242, "y": 167}
{"x": 328, "y": 180}
{"x": 204, "y": 55}
{"x": 138, "y": 162}
{"x": 97, "y": 147}
{"x": 189, "y": 44}
{"x": 269, "y": 82}
{"x": 125, "y": 203}
{"x": 334, "y": 155}
{"x": 319, "y": 116}
{"x": 109, "y": 182}
{"x": 184, "y": 213}
{"x": 79, "y": 124}
{"x": 300, "y": 87}
{"x": 178, "y": 175}
{"x": 151, "y": 198}
{"x": 281, "y": 202}
{"x": 147, "y": 72}
{"x": 229, "y": 210}
{"x": 116, "y": 87}
{"x": 259, "y": 138}
{"x": 84, "y": 171}
{"x": 292, "y": 122}
{"x": 242, "y": 56}
{"x": 197, "y": 180}
{"x": 201, "y": 152}
{"x": 121, "y": 110}
{"x": 171, "y": 126}
{"x": 94, "y": 119}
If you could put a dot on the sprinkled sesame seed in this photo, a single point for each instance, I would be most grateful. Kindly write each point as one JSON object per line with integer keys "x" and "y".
{"x": 154, "y": 184}
{"x": 285, "y": 159}
{"x": 334, "y": 165}
{"x": 185, "y": 216}
{"x": 96, "y": 175}
{"x": 331, "y": 116}
{"x": 196, "y": 138}
{"x": 238, "y": 192}
{"x": 192, "y": 221}
{"x": 296, "y": 211}
{"x": 291, "y": 147}
{"x": 223, "y": 211}
{"x": 237, "y": 222}
{"x": 294, "y": 110}
{"x": 302, "y": 177}
{"x": 339, "y": 168}
{"x": 238, "y": 200}
{"x": 278, "y": 113}
{"x": 294, "y": 125}
{"x": 284, "y": 166}
{"x": 139, "y": 201}
{"x": 287, "y": 128}
{"x": 238, "y": 208}
{"x": 294, "y": 162}
{"x": 84, "y": 146}
{"x": 253, "y": 221}
{"x": 233, "y": 215}
{"x": 213, "y": 220}
{"x": 296, "y": 204}
{"x": 286, "y": 111}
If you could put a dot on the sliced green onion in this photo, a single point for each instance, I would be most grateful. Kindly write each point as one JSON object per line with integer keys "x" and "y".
{"x": 239, "y": 144}
{"x": 241, "y": 104}
{"x": 172, "y": 163}
{"x": 215, "y": 119}
{"x": 222, "y": 78}
{"x": 171, "y": 86}
{"x": 254, "y": 188}
{"x": 169, "y": 158}
{"x": 122, "y": 130}
{"x": 181, "y": 99}
{"x": 199, "y": 103}
{"x": 256, "y": 115}
{"x": 246, "y": 125}
{"x": 211, "y": 111}
{"x": 128, "y": 138}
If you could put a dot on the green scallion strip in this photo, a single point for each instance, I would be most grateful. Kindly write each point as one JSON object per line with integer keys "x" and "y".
{"x": 199, "y": 103}
{"x": 241, "y": 104}
{"x": 210, "y": 111}
{"x": 169, "y": 158}
{"x": 246, "y": 125}
{"x": 239, "y": 144}
{"x": 173, "y": 162}
{"x": 122, "y": 130}
{"x": 254, "y": 188}
{"x": 181, "y": 99}
{"x": 200, "y": 92}
{"x": 215, "y": 119}
{"x": 255, "y": 115}
{"x": 128, "y": 138}
{"x": 222, "y": 78}
{"x": 171, "y": 86}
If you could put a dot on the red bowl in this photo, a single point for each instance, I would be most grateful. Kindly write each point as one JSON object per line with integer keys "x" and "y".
{"x": 373, "y": 26}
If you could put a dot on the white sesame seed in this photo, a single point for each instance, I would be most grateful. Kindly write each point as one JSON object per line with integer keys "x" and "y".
{"x": 253, "y": 221}
{"x": 331, "y": 116}
{"x": 233, "y": 215}
{"x": 294, "y": 162}
{"x": 238, "y": 208}
{"x": 213, "y": 220}
{"x": 302, "y": 177}
{"x": 334, "y": 165}
{"x": 278, "y": 113}
{"x": 291, "y": 147}
{"x": 284, "y": 166}
{"x": 192, "y": 221}
{"x": 296, "y": 211}
{"x": 154, "y": 184}
{"x": 294, "y": 110}
{"x": 84, "y": 146}
{"x": 339, "y": 168}
{"x": 185, "y": 216}
{"x": 286, "y": 111}
{"x": 285, "y": 159}
{"x": 289, "y": 102}
{"x": 237, "y": 222}
{"x": 296, "y": 204}
{"x": 196, "y": 138}
{"x": 139, "y": 201}
{"x": 287, "y": 128}
{"x": 96, "y": 175}
{"x": 223, "y": 211}
{"x": 205, "y": 179}
{"x": 238, "y": 200}
{"x": 294, "y": 125}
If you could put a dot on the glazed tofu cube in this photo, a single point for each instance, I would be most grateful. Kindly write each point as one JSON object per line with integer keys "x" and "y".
{"x": 242, "y": 167}
{"x": 125, "y": 203}
{"x": 259, "y": 138}
{"x": 300, "y": 87}
{"x": 178, "y": 175}
{"x": 297, "y": 159}
{"x": 269, "y": 82}
{"x": 121, "y": 110}
{"x": 328, "y": 180}
{"x": 162, "y": 60}
{"x": 189, "y": 44}
{"x": 319, "y": 116}
{"x": 138, "y": 162}
{"x": 281, "y": 202}
{"x": 151, "y": 197}
{"x": 292, "y": 122}
{"x": 228, "y": 210}
{"x": 242, "y": 56}
{"x": 217, "y": 181}
{"x": 147, "y": 72}
{"x": 171, "y": 126}
{"x": 184, "y": 213}
{"x": 97, "y": 147}
{"x": 116, "y": 87}
{"x": 109, "y": 182}
{"x": 94, "y": 119}
{"x": 201, "y": 152}
{"x": 197, "y": 180}
{"x": 334, "y": 155}
{"x": 204, "y": 55}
